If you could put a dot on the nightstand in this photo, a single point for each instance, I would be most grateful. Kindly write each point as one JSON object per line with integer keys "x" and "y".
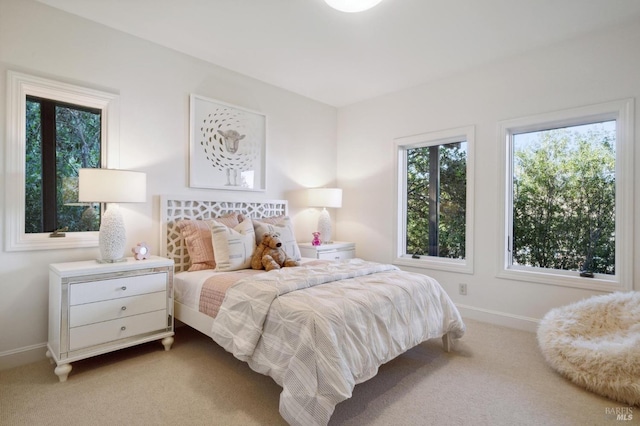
{"x": 332, "y": 251}
{"x": 95, "y": 308}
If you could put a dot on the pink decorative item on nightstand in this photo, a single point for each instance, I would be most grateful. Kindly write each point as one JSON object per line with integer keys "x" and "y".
{"x": 141, "y": 251}
{"x": 316, "y": 239}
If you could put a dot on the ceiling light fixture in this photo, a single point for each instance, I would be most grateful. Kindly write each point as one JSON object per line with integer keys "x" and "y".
{"x": 352, "y": 5}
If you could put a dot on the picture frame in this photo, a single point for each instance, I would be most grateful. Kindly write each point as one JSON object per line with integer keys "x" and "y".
{"x": 227, "y": 148}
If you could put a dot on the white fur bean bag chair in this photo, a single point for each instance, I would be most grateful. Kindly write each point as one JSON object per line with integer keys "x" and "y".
{"x": 595, "y": 343}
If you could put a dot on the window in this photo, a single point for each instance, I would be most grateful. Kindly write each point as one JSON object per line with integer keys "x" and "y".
{"x": 568, "y": 197}
{"x": 54, "y": 129}
{"x": 60, "y": 139}
{"x": 435, "y": 200}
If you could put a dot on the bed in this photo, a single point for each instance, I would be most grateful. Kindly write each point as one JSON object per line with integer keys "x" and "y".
{"x": 318, "y": 329}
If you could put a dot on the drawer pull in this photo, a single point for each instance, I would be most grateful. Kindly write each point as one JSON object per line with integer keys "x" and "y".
{"x": 123, "y": 328}
{"x": 124, "y": 288}
{"x": 124, "y": 308}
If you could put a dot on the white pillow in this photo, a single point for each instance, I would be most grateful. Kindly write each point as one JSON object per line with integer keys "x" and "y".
{"x": 284, "y": 227}
{"x": 232, "y": 247}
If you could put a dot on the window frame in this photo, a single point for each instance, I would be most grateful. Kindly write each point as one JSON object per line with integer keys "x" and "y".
{"x": 19, "y": 86}
{"x": 441, "y": 137}
{"x": 623, "y": 112}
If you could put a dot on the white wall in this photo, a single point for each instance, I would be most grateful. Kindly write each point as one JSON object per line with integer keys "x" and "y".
{"x": 594, "y": 69}
{"x": 154, "y": 84}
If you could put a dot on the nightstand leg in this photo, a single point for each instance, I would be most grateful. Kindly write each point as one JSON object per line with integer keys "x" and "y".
{"x": 167, "y": 342}
{"x": 62, "y": 371}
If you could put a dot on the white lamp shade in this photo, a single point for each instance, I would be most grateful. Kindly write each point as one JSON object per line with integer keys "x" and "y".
{"x": 111, "y": 186}
{"x": 325, "y": 197}
{"x": 352, "y": 5}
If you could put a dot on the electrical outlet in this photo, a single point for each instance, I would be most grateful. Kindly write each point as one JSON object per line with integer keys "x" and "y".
{"x": 462, "y": 289}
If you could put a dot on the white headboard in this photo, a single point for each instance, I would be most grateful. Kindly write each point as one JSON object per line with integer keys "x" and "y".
{"x": 174, "y": 208}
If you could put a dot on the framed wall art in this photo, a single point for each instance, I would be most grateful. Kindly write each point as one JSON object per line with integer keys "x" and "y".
{"x": 227, "y": 146}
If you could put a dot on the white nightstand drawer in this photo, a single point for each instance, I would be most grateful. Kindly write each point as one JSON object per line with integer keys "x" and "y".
{"x": 337, "y": 254}
{"x": 102, "y": 332}
{"x": 90, "y": 313}
{"x": 95, "y": 291}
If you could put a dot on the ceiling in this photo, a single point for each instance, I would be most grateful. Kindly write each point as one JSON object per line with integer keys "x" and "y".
{"x": 340, "y": 58}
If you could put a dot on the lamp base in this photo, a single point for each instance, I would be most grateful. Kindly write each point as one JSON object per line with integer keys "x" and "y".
{"x": 112, "y": 237}
{"x": 123, "y": 259}
{"x": 324, "y": 226}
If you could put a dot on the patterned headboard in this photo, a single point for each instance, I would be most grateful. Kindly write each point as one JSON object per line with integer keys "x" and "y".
{"x": 174, "y": 208}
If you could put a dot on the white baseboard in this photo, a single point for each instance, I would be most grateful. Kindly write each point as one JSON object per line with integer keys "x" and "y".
{"x": 22, "y": 356}
{"x": 499, "y": 318}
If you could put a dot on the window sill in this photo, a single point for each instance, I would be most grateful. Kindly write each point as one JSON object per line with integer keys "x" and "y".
{"x": 442, "y": 264}
{"x": 24, "y": 242}
{"x": 599, "y": 282}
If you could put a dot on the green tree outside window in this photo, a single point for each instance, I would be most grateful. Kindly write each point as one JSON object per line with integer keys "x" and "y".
{"x": 60, "y": 139}
{"x": 564, "y": 198}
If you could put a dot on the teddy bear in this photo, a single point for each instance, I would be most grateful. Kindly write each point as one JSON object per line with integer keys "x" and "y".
{"x": 270, "y": 255}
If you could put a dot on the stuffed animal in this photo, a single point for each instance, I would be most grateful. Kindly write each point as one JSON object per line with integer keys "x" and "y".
{"x": 270, "y": 255}
{"x": 316, "y": 239}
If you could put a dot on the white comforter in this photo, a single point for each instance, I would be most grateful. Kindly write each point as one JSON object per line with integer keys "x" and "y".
{"x": 320, "y": 330}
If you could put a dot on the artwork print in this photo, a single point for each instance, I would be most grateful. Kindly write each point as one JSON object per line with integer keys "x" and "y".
{"x": 227, "y": 148}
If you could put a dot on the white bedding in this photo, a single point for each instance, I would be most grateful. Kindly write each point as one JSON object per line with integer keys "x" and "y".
{"x": 320, "y": 330}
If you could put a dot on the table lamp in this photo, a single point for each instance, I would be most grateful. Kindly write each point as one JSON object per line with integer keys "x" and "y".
{"x": 111, "y": 186}
{"x": 325, "y": 198}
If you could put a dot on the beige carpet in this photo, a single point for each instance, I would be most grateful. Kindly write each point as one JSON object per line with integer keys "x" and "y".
{"x": 495, "y": 376}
